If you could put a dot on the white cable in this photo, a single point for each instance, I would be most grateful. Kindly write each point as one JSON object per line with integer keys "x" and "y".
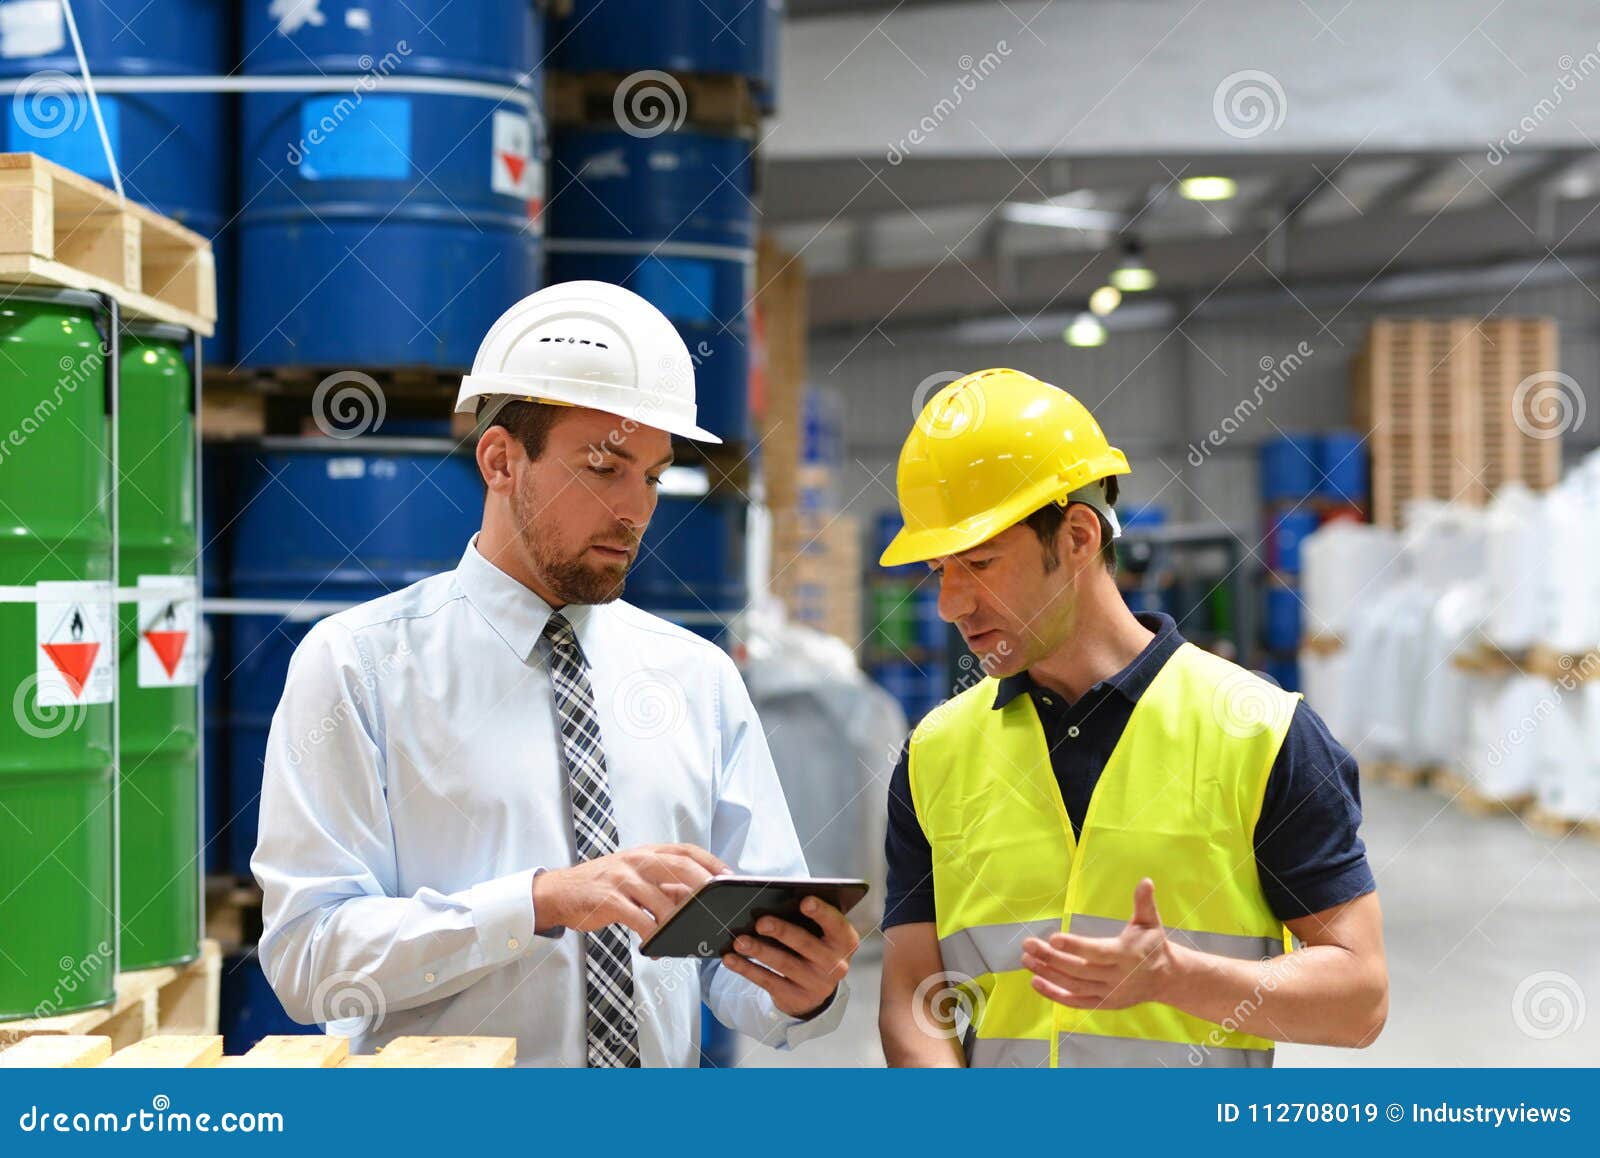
{"x": 94, "y": 101}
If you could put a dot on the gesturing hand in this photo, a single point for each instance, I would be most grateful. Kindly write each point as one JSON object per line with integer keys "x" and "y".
{"x": 636, "y": 887}
{"x": 1105, "y": 972}
{"x": 802, "y": 970}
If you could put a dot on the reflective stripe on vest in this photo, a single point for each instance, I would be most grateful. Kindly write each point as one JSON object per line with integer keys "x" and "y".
{"x": 1177, "y": 801}
{"x": 1081, "y": 1050}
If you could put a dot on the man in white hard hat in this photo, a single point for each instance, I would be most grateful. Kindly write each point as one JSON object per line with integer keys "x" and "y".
{"x": 478, "y": 787}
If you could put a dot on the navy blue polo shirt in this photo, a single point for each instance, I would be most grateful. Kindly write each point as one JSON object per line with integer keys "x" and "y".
{"x": 1308, "y": 851}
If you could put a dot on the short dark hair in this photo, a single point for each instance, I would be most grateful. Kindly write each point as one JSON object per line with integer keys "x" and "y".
{"x": 1046, "y": 523}
{"x": 529, "y": 423}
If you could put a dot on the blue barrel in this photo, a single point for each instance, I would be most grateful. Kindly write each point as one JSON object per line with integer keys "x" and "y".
{"x": 1281, "y": 629}
{"x": 250, "y": 1010}
{"x": 1284, "y": 537}
{"x": 1288, "y": 468}
{"x": 1146, "y": 600}
{"x": 384, "y": 226}
{"x": 1342, "y": 467}
{"x": 933, "y": 633}
{"x": 669, "y": 217}
{"x": 326, "y": 520}
{"x": 1285, "y": 673}
{"x": 735, "y": 37}
{"x": 917, "y": 688}
{"x": 172, "y": 149}
{"x": 691, "y": 565}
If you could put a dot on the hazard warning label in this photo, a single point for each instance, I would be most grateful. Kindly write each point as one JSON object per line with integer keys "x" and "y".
{"x": 514, "y": 168}
{"x": 75, "y": 651}
{"x": 166, "y": 631}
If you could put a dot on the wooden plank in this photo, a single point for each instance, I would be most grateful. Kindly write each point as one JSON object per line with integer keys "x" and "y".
{"x": 191, "y": 1002}
{"x": 294, "y": 1051}
{"x": 74, "y": 1051}
{"x": 448, "y": 1053}
{"x": 30, "y": 269}
{"x": 172, "y": 1051}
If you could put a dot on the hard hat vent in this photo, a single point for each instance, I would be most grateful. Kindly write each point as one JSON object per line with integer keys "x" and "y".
{"x": 576, "y": 341}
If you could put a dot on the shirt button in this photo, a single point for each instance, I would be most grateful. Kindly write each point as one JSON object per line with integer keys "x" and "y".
{"x": 428, "y": 977}
{"x": 513, "y": 944}
{"x": 1073, "y": 731}
{"x": 1048, "y": 702}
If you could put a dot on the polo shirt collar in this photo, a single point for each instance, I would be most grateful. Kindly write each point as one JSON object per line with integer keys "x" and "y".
{"x": 516, "y": 613}
{"x": 1131, "y": 681}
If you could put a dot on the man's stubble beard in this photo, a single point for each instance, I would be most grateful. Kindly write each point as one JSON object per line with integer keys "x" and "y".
{"x": 569, "y": 580}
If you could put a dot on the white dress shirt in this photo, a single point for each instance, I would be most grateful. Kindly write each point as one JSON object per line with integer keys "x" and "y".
{"x": 414, "y": 785}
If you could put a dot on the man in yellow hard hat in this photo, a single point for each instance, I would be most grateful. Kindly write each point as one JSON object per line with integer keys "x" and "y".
{"x": 1098, "y": 852}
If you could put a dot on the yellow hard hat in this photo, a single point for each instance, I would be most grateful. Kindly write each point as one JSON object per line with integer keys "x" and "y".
{"x": 986, "y": 452}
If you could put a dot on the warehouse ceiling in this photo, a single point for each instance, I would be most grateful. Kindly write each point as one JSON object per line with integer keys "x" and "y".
{"x": 991, "y": 211}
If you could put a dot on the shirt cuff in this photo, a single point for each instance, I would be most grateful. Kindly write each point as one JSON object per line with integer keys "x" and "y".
{"x": 502, "y": 910}
{"x": 823, "y": 1022}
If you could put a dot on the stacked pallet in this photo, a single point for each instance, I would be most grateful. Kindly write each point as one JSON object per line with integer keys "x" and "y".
{"x": 204, "y": 1051}
{"x": 149, "y": 1003}
{"x": 60, "y": 229}
{"x": 1443, "y": 403}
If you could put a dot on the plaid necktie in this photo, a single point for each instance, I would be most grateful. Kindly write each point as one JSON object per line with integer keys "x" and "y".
{"x": 613, "y": 1028}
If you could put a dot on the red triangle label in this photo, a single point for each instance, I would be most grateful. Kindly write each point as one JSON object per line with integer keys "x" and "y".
{"x": 168, "y": 646}
{"x": 74, "y": 661}
{"x": 514, "y": 165}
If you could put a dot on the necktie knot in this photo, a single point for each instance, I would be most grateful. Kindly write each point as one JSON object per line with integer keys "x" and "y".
{"x": 560, "y": 634}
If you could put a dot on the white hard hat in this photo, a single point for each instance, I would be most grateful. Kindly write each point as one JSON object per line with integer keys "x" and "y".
{"x": 588, "y": 343}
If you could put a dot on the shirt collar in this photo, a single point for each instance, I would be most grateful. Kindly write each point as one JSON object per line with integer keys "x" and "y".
{"x": 516, "y": 613}
{"x": 1132, "y": 680}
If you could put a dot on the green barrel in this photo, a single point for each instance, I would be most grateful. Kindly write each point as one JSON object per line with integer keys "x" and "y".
{"x": 58, "y": 925}
{"x": 160, "y": 790}
{"x": 894, "y": 616}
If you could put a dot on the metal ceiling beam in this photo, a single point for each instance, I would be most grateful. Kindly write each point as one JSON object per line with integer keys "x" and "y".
{"x": 1358, "y": 249}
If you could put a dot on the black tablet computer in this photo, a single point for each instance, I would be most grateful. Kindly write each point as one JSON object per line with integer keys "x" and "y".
{"x": 727, "y": 907}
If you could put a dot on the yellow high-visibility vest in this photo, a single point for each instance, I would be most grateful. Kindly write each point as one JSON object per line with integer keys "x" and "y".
{"x": 1177, "y": 801}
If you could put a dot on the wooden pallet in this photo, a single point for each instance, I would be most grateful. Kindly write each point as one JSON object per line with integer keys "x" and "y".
{"x": 309, "y": 1051}
{"x": 1401, "y": 775}
{"x": 707, "y": 101}
{"x": 233, "y": 912}
{"x": 1435, "y": 398}
{"x": 171, "y": 999}
{"x": 61, "y": 229}
{"x": 1319, "y": 643}
{"x": 1513, "y": 350}
{"x": 1484, "y": 658}
{"x": 1472, "y": 800}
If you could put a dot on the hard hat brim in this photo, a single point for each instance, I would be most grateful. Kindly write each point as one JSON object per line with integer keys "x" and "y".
{"x": 672, "y": 418}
